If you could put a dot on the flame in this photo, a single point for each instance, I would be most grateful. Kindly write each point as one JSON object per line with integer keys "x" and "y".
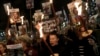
{"x": 79, "y": 8}
{"x": 9, "y": 33}
{"x": 79, "y": 23}
{"x": 40, "y": 30}
{"x": 86, "y": 6}
{"x": 51, "y": 1}
{"x": 42, "y": 16}
{"x": 22, "y": 20}
{"x": 8, "y": 10}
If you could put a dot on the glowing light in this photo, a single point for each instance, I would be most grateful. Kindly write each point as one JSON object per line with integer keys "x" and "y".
{"x": 40, "y": 30}
{"x": 79, "y": 23}
{"x": 42, "y": 16}
{"x": 8, "y": 10}
{"x": 22, "y": 20}
{"x": 78, "y": 7}
{"x": 51, "y": 1}
{"x": 86, "y": 6}
{"x": 9, "y": 33}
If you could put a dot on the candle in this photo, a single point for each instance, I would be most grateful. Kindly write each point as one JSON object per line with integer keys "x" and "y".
{"x": 40, "y": 30}
{"x": 86, "y": 6}
{"x": 42, "y": 16}
{"x": 79, "y": 23}
{"x": 22, "y": 20}
{"x": 9, "y": 33}
{"x": 8, "y": 10}
{"x": 78, "y": 7}
{"x": 51, "y": 1}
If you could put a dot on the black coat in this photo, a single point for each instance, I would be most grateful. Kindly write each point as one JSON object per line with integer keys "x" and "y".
{"x": 82, "y": 47}
{"x": 60, "y": 49}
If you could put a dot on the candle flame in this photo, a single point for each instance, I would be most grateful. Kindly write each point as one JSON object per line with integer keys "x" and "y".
{"x": 86, "y": 6}
{"x": 9, "y": 33}
{"x": 51, "y": 1}
{"x": 8, "y": 10}
{"x": 42, "y": 16}
{"x": 22, "y": 20}
{"x": 78, "y": 7}
{"x": 40, "y": 30}
{"x": 79, "y": 23}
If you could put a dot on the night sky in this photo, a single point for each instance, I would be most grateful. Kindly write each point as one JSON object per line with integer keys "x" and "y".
{"x": 21, "y": 4}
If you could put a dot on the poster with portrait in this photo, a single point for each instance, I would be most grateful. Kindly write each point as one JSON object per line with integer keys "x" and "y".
{"x": 72, "y": 11}
{"x": 22, "y": 29}
{"x": 7, "y": 7}
{"x": 60, "y": 16}
{"x": 29, "y": 4}
{"x": 14, "y": 28}
{"x": 71, "y": 8}
{"x": 49, "y": 25}
{"x": 14, "y": 16}
{"x": 47, "y": 8}
{"x": 38, "y": 15}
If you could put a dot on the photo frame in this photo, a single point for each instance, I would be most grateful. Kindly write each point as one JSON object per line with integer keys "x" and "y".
{"x": 30, "y": 4}
{"x": 14, "y": 16}
{"x": 38, "y": 15}
{"x": 7, "y": 7}
{"x": 49, "y": 26}
{"x": 22, "y": 29}
{"x": 47, "y": 8}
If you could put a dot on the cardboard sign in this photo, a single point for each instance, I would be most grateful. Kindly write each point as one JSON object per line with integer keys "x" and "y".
{"x": 49, "y": 26}
{"x": 15, "y": 46}
{"x": 14, "y": 16}
{"x": 46, "y": 8}
{"x": 22, "y": 29}
{"x": 7, "y": 7}
{"x": 71, "y": 8}
{"x": 30, "y": 4}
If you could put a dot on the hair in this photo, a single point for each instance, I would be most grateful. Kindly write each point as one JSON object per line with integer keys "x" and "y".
{"x": 4, "y": 45}
{"x": 52, "y": 33}
{"x": 26, "y": 40}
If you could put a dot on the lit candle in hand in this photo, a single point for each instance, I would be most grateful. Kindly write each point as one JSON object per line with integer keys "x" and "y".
{"x": 51, "y": 1}
{"x": 40, "y": 30}
{"x": 22, "y": 20}
{"x": 8, "y": 10}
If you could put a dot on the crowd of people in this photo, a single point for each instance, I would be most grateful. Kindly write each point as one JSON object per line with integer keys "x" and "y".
{"x": 77, "y": 42}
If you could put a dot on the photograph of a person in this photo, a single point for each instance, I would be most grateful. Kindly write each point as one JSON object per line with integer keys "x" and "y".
{"x": 22, "y": 30}
{"x": 14, "y": 16}
{"x": 29, "y": 4}
{"x": 46, "y": 8}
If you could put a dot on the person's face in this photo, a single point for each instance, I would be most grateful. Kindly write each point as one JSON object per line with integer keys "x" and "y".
{"x": 2, "y": 49}
{"x": 15, "y": 15}
{"x": 53, "y": 40}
